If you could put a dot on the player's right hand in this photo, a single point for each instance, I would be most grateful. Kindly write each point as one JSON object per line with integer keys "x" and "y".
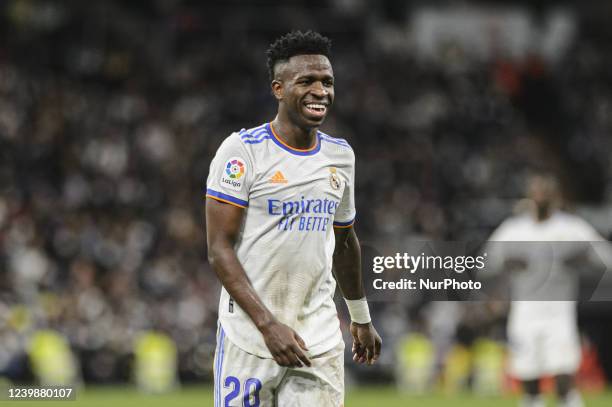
{"x": 286, "y": 346}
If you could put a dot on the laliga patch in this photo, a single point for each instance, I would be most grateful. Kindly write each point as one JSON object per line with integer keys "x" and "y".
{"x": 233, "y": 174}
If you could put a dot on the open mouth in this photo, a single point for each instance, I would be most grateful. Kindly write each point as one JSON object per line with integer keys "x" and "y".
{"x": 316, "y": 109}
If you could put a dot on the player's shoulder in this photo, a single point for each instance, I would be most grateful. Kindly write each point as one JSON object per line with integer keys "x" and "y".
{"x": 510, "y": 226}
{"x": 568, "y": 219}
{"x": 336, "y": 145}
{"x": 244, "y": 139}
{"x": 518, "y": 220}
{"x": 326, "y": 138}
{"x": 564, "y": 216}
{"x": 254, "y": 135}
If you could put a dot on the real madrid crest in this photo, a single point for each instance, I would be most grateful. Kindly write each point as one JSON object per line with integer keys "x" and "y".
{"x": 334, "y": 179}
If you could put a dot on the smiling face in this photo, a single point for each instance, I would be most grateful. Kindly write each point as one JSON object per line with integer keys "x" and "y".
{"x": 304, "y": 87}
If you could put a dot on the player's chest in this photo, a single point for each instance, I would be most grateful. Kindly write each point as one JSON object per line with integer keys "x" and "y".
{"x": 548, "y": 232}
{"x": 299, "y": 179}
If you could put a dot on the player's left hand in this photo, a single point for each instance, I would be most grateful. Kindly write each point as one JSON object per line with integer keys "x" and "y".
{"x": 366, "y": 343}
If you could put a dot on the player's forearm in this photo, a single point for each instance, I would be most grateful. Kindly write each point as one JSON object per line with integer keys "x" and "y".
{"x": 347, "y": 267}
{"x": 225, "y": 263}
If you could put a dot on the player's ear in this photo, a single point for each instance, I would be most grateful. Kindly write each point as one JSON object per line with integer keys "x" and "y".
{"x": 277, "y": 89}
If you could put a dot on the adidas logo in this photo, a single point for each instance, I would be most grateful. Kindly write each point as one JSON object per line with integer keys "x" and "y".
{"x": 278, "y": 178}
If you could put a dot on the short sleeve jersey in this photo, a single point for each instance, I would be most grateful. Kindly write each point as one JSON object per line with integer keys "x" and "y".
{"x": 545, "y": 270}
{"x": 292, "y": 200}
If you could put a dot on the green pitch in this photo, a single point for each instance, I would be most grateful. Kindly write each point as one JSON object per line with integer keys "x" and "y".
{"x": 202, "y": 397}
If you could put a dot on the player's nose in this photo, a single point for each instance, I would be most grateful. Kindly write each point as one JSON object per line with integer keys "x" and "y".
{"x": 319, "y": 90}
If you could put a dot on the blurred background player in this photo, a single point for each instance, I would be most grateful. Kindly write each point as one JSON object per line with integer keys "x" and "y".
{"x": 279, "y": 211}
{"x": 543, "y": 335}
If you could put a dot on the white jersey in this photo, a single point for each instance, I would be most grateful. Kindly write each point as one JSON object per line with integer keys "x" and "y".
{"x": 292, "y": 199}
{"x": 545, "y": 268}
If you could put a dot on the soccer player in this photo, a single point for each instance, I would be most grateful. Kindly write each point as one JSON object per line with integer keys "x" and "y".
{"x": 543, "y": 335}
{"x": 279, "y": 214}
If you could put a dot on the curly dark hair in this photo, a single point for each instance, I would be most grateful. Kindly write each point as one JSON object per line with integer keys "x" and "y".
{"x": 296, "y": 43}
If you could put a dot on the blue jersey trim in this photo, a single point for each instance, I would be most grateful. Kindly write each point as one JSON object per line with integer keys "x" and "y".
{"x": 224, "y": 197}
{"x": 259, "y": 131}
{"x": 248, "y": 136}
{"x": 292, "y": 150}
{"x": 219, "y": 367}
{"x": 264, "y": 132}
{"x": 256, "y": 129}
{"x": 333, "y": 140}
{"x": 330, "y": 138}
{"x": 257, "y": 141}
{"x": 344, "y": 224}
{"x": 255, "y": 135}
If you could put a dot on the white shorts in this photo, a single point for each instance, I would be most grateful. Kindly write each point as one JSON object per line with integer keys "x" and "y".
{"x": 246, "y": 380}
{"x": 543, "y": 348}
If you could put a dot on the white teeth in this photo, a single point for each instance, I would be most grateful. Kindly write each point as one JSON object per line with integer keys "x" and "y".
{"x": 315, "y": 106}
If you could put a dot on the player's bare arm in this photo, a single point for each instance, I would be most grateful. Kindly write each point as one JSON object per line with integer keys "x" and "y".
{"x": 347, "y": 270}
{"x": 222, "y": 228}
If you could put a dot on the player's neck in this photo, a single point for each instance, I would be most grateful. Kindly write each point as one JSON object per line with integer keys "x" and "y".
{"x": 542, "y": 213}
{"x": 293, "y": 135}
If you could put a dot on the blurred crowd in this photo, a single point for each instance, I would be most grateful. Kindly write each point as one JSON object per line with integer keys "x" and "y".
{"x": 110, "y": 113}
